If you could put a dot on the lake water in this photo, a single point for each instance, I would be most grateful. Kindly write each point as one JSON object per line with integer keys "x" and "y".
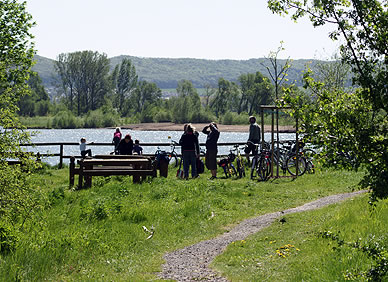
{"x": 105, "y": 135}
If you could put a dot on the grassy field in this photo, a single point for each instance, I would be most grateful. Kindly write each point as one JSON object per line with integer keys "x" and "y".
{"x": 97, "y": 233}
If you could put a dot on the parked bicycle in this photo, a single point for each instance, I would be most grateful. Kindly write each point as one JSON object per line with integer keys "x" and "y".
{"x": 286, "y": 158}
{"x": 239, "y": 161}
{"x": 261, "y": 162}
{"x": 227, "y": 165}
{"x": 172, "y": 155}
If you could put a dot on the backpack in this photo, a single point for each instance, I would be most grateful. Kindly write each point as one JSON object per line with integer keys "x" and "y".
{"x": 200, "y": 166}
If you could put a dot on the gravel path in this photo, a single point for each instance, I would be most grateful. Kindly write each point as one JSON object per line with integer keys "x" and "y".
{"x": 191, "y": 263}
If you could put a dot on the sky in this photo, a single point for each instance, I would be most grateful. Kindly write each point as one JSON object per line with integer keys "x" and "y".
{"x": 203, "y": 29}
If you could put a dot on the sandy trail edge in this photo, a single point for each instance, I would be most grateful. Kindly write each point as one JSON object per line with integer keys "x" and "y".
{"x": 191, "y": 263}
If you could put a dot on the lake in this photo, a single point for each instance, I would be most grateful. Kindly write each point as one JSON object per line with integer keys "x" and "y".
{"x": 105, "y": 135}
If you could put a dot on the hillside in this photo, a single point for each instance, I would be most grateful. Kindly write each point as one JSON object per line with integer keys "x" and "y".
{"x": 167, "y": 72}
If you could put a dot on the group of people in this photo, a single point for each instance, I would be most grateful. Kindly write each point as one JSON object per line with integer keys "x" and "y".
{"x": 189, "y": 144}
{"x": 123, "y": 146}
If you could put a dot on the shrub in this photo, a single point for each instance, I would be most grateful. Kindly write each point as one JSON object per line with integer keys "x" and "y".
{"x": 8, "y": 239}
{"x": 65, "y": 119}
{"x": 202, "y": 116}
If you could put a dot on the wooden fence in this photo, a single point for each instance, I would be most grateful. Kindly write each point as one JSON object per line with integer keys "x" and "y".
{"x": 62, "y": 156}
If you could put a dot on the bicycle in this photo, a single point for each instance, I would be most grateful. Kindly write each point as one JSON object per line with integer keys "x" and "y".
{"x": 239, "y": 161}
{"x": 286, "y": 158}
{"x": 261, "y": 163}
{"x": 227, "y": 165}
{"x": 172, "y": 155}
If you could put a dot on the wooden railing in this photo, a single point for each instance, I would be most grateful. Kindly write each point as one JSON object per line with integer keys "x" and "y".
{"x": 62, "y": 156}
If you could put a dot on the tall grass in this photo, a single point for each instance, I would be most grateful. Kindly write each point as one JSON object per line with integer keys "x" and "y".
{"x": 97, "y": 233}
{"x": 292, "y": 249}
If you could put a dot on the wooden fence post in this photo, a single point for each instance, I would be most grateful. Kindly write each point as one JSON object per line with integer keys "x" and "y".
{"x": 60, "y": 156}
{"x": 72, "y": 167}
{"x": 81, "y": 174}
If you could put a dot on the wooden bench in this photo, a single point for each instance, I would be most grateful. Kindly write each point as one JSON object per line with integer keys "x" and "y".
{"x": 137, "y": 166}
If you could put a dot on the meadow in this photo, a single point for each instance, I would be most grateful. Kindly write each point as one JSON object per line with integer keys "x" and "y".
{"x": 97, "y": 233}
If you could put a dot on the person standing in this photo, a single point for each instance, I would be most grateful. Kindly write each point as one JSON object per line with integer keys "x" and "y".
{"x": 126, "y": 145}
{"x": 254, "y": 137}
{"x": 213, "y": 134}
{"x": 116, "y": 139}
{"x": 190, "y": 151}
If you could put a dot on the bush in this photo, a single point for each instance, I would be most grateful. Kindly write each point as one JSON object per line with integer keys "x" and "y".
{"x": 162, "y": 116}
{"x": 8, "y": 239}
{"x": 234, "y": 118}
{"x": 65, "y": 119}
{"x": 202, "y": 116}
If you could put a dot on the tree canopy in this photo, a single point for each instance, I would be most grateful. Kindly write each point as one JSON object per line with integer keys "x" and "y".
{"x": 353, "y": 123}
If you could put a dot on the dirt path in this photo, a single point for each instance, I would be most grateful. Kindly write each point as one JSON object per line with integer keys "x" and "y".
{"x": 168, "y": 126}
{"x": 191, "y": 263}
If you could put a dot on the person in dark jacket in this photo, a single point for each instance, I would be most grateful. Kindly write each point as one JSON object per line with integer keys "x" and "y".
{"x": 213, "y": 134}
{"x": 254, "y": 137}
{"x": 126, "y": 146}
{"x": 190, "y": 151}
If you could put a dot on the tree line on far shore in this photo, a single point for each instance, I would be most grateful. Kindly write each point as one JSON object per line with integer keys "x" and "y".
{"x": 90, "y": 95}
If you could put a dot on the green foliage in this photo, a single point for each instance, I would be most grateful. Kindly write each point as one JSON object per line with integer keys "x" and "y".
{"x": 99, "y": 119}
{"x": 234, "y": 118}
{"x": 18, "y": 199}
{"x": 374, "y": 249}
{"x": 65, "y": 119}
{"x": 84, "y": 79}
{"x": 124, "y": 79}
{"x": 8, "y": 238}
{"x": 355, "y": 124}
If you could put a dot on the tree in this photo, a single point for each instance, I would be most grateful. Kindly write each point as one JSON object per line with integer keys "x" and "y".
{"x": 124, "y": 81}
{"x": 226, "y": 97}
{"x": 16, "y": 59}
{"x": 145, "y": 94}
{"x": 363, "y": 132}
{"x": 84, "y": 77}
{"x": 37, "y": 103}
{"x": 256, "y": 90}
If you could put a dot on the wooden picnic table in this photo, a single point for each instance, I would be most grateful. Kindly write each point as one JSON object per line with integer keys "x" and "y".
{"x": 88, "y": 167}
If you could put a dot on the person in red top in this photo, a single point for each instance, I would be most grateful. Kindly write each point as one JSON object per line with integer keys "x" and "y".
{"x": 116, "y": 139}
{"x": 190, "y": 151}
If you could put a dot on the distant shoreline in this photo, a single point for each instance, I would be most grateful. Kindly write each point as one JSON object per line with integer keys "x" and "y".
{"x": 169, "y": 126}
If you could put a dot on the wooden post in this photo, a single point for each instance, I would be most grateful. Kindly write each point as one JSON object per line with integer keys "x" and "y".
{"x": 297, "y": 147}
{"x": 88, "y": 178}
{"x": 71, "y": 170}
{"x": 81, "y": 174}
{"x": 272, "y": 144}
{"x": 61, "y": 156}
{"x": 262, "y": 127}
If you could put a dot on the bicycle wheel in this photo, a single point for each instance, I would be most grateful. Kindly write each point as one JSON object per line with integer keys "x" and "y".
{"x": 291, "y": 165}
{"x": 264, "y": 170}
{"x": 254, "y": 168}
{"x": 310, "y": 167}
{"x": 240, "y": 168}
{"x": 226, "y": 171}
{"x": 232, "y": 170}
{"x": 173, "y": 159}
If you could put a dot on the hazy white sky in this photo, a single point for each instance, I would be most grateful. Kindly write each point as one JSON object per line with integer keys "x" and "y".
{"x": 206, "y": 29}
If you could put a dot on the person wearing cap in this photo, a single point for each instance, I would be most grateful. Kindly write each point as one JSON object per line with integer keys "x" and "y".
{"x": 254, "y": 137}
{"x": 126, "y": 145}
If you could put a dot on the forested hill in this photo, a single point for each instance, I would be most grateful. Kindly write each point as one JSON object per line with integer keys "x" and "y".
{"x": 167, "y": 72}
